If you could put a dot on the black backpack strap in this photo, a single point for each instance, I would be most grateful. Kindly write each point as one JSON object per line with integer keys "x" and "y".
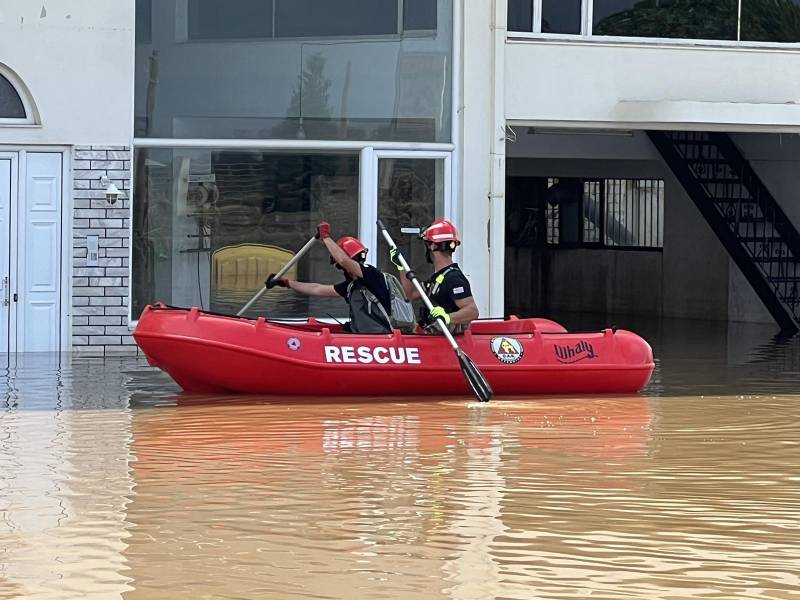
{"x": 372, "y": 300}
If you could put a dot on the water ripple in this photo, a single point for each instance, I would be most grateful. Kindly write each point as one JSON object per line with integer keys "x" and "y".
{"x": 113, "y": 484}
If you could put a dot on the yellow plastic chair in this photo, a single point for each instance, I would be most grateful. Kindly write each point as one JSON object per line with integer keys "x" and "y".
{"x": 237, "y": 272}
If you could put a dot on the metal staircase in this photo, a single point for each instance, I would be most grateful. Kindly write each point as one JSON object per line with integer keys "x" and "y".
{"x": 745, "y": 216}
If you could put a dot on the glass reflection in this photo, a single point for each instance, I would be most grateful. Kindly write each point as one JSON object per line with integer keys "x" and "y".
{"x": 233, "y": 19}
{"x": 340, "y": 69}
{"x": 771, "y": 20}
{"x": 686, "y": 19}
{"x": 211, "y": 225}
{"x": 561, "y": 16}
{"x": 11, "y": 106}
{"x": 411, "y": 196}
{"x": 323, "y": 18}
{"x": 520, "y": 15}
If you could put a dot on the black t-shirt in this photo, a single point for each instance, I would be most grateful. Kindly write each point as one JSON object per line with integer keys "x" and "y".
{"x": 454, "y": 287}
{"x": 374, "y": 281}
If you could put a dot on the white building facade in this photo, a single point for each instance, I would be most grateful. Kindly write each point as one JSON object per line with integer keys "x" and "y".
{"x": 68, "y": 65}
{"x": 585, "y": 80}
{"x": 232, "y": 128}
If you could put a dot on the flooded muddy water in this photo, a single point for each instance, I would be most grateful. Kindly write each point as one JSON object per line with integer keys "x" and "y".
{"x": 114, "y": 484}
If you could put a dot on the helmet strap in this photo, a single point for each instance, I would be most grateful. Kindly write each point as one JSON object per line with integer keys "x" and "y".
{"x": 447, "y": 247}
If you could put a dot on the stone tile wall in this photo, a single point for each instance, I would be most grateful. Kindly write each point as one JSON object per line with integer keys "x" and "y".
{"x": 100, "y": 291}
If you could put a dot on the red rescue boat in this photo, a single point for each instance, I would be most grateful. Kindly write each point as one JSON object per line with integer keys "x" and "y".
{"x": 211, "y": 353}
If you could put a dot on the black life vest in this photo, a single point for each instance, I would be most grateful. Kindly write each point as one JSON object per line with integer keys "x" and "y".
{"x": 433, "y": 287}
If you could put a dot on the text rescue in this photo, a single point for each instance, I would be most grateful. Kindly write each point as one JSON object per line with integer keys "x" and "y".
{"x": 367, "y": 355}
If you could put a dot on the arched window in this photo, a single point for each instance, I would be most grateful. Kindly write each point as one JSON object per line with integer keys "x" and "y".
{"x": 11, "y": 105}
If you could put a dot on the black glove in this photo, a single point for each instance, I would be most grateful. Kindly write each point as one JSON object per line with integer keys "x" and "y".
{"x": 424, "y": 318}
{"x": 271, "y": 282}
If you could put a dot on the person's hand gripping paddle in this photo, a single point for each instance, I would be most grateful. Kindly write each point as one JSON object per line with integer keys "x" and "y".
{"x": 480, "y": 387}
{"x": 277, "y": 276}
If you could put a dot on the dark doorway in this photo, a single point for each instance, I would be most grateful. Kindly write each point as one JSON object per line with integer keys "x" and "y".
{"x": 583, "y": 245}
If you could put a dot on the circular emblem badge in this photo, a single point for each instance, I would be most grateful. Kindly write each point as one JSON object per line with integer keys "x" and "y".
{"x": 507, "y": 350}
{"x": 293, "y": 344}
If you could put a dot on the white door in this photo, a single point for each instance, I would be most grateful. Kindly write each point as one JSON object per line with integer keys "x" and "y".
{"x": 7, "y": 191}
{"x": 39, "y": 248}
{"x": 406, "y": 190}
{"x": 31, "y": 253}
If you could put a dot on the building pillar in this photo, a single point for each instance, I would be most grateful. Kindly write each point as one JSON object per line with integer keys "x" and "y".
{"x": 481, "y": 185}
{"x": 497, "y": 228}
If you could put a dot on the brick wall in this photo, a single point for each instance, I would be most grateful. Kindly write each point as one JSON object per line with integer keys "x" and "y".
{"x": 100, "y": 292}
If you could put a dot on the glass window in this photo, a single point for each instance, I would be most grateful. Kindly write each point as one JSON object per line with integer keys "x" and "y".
{"x": 324, "y": 18}
{"x": 687, "y": 19}
{"x": 344, "y": 87}
{"x": 419, "y": 14}
{"x": 232, "y": 19}
{"x": 410, "y": 195}
{"x": 144, "y": 20}
{"x": 520, "y": 15}
{"x": 11, "y": 106}
{"x": 211, "y": 225}
{"x": 561, "y": 16}
{"x": 771, "y": 21}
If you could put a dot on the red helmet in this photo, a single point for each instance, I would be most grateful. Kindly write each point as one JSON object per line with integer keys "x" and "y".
{"x": 351, "y": 246}
{"x": 441, "y": 231}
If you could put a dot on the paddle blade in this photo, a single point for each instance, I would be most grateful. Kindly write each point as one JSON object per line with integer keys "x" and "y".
{"x": 480, "y": 387}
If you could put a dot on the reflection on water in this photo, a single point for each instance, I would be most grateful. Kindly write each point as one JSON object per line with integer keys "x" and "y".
{"x": 113, "y": 484}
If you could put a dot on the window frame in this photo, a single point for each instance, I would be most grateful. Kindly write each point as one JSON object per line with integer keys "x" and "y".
{"x": 587, "y": 35}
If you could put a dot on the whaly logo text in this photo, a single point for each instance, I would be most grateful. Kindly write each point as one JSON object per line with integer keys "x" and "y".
{"x": 572, "y": 354}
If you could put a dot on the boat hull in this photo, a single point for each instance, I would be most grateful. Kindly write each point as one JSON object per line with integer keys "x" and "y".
{"x": 211, "y": 353}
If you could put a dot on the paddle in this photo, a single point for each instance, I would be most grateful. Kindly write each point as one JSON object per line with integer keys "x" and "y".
{"x": 480, "y": 387}
{"x": 278, "y": 275}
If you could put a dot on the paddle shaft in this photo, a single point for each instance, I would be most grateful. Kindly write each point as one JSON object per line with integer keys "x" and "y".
{"x": 475, "y": 379}
{"x": 418, "y": 286}
{"x": 279, "y": 274}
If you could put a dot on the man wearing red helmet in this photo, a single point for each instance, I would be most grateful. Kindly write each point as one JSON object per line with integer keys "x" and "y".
{"x": 364, "y": 287}
{"x": 448, "y": 287}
